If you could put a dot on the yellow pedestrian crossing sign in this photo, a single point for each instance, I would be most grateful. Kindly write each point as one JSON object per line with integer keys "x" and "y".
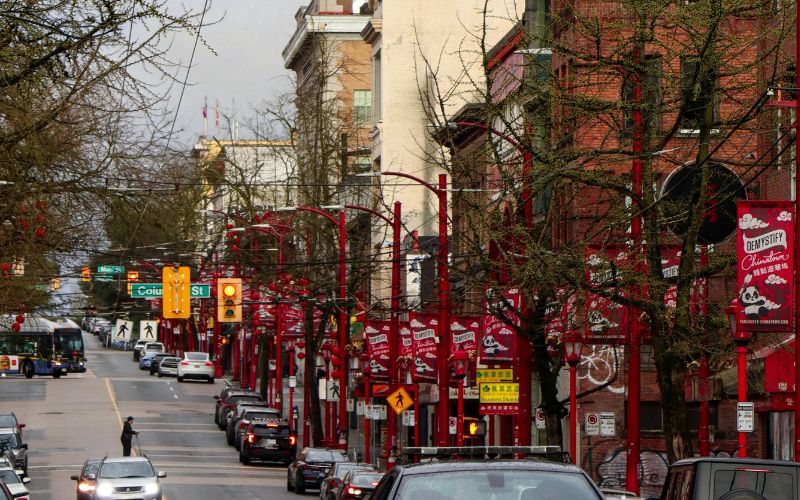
{"x": 400, "y": 401}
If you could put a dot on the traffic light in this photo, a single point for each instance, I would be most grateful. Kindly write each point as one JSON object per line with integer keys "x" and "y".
{"x": 133, "y": 276}
{"x": 86, "y": 274}
{"x": 474, "y": 427}
{"x": 229, "y": 300}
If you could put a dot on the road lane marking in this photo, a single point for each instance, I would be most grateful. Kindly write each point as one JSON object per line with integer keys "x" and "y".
{"x": 175, "y": 396}
{"x": 113, "y": 397}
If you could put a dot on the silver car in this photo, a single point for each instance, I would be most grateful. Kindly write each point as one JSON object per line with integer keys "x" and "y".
{"x": 16, "y": 485}
{"x": 128, "y": 478}
{"x": 168, "y": 366}
{"x": 196, "y": 365}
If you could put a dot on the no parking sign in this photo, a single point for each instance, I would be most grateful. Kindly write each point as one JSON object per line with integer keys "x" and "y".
{"x": 592, "y": 424}
{"x": 540, "y": 422}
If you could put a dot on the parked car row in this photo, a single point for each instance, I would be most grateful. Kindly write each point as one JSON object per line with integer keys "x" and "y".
{"x": 13, "y": 458}
{"x": 151, "y": 356}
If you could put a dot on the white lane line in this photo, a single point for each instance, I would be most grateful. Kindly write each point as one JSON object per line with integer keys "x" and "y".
{"x": 175, "y": 396}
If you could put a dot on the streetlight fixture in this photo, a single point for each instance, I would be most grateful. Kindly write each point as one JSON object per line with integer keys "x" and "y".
{"x": 742, "y": 339}
{"x": 573, "y": 344}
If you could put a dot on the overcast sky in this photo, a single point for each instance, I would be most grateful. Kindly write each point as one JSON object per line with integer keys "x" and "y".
{"x": 247, "y": 69}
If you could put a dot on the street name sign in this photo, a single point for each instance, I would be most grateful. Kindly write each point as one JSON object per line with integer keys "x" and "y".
{"x": 110, "y": 269}
{"x": 155, "y": 291}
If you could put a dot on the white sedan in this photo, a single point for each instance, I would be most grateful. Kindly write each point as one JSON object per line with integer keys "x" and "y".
{"x": 196, "y": 365}
{"x": 15, "y": 485}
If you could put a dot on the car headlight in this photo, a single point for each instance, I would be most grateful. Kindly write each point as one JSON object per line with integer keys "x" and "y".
{"x": 151, "y": 488}
{"x": 104, "y": 489}
{"x": 85, "y": 487}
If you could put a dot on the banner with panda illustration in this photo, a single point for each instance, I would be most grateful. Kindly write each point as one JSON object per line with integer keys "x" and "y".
{"x": 378, "y": 334}
{"x": 424, "y": 340}
{"x": 498, "y": 342}
{"x": 765, "y": 271}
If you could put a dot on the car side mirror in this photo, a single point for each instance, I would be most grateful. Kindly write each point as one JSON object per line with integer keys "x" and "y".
{"x": 75, "y": 477}
{"x": 26, "y": 480}
{"x": 21, "y": 426}
{"x": 24, "y": 446}
{"x": 162, "y": 474}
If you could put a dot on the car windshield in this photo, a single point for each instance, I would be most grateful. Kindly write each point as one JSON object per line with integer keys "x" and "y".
{"x": 9, "y": 477}
{"x": 8, "y": 440}
{"x": 8, "y": 421}
{"x": 495, "y": 484}
{"x": 197, "y": 356}
{"x": 116, "y": 470}
{"x": 154, "y": 347}
{"x": 325, "y": 456}
{"x": 365, "y": 480}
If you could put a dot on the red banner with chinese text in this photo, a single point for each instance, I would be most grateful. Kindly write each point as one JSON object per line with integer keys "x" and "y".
{"x": 424, "y": 336}
{"x": 607, "y": 321}
{"x": 765, "y": 270}
{"x": 464, "y": 331}
{"x": 378, "y": 334}
{"x": 498, "y": 340}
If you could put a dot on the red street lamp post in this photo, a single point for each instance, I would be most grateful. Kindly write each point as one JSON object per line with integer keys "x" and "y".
{"x": 341, "y": 223}
{"x": 290, "y": 350}
{"x": 742, "y": 339}
{"x": 395, "y": 222}
{"x": 572, "y": 352}
{"x": 459, "y": 362}
{"x": 360, "y": 366}
{"x": 443, "y": 409}
{"x": 522, "y": 366}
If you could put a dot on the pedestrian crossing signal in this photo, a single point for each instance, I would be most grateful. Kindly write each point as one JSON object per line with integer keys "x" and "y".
{"x": 474, "y": 427}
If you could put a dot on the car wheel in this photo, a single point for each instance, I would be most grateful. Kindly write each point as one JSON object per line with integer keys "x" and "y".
{"x": 160, "y": 375}
{"x": 27, "y": 369}
{"x": 57, "y": 374}
{"x": 288, "y": 483}
{"x": 299, "y": 487}
{"x": 180, "y": 379}
{"x": 210, "y": 380}
{"x": 229, "y": 438}
{"x": 245, "y": 458}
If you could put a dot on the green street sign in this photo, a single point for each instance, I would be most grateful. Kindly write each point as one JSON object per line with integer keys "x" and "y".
{"x": 110, "y": 269}
{"x": 154, "y": 290}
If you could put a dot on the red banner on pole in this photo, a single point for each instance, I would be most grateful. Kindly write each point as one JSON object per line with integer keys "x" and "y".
{"x": 424, "y": 337}
{"x": 292, "y": 320}
{"x": 465, "y": 334}
{"x": 607, "y": 320}
{"x": 498, "y": 342}
{"x": 765, "y": 271}
{"x": 378, "y": 334}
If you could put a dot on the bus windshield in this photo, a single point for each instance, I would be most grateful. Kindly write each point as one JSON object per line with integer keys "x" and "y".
{"x": 69, "y": 341}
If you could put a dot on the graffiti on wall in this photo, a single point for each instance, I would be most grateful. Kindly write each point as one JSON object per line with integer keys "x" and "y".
{"x": 599, "y": 366}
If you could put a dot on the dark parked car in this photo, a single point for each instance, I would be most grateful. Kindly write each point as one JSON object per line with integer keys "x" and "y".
{"x": 12, "y": 440}
{"x": 227, "y": 404}
{"x": 9, "y": 420}
{"x": 327, "y": 490}
{"x": 241, "y": 416}
{"x": 311, "y": 467}
{"x": 87, "y": 479}
{"x": 732, "y": 479}
{"x": 482, "y": 479}
{"x": 357, "y": 484}
{"x": 268, "y": 441}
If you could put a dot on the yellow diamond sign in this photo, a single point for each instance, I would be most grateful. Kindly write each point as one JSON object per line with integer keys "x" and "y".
{"x": 400, "y": 400}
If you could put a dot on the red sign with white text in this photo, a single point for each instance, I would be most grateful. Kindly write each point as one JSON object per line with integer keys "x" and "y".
{"x": 498, "y": 409}
{"x": 607, "y": 320}
{"x": 464, "y": 334}
{"x": 424, "y": 330}
{"x": 293, "y": 317}
{"x": 765, "y": 270}
{"x": 378, "y": 334}
{"x": 498, "y": 342}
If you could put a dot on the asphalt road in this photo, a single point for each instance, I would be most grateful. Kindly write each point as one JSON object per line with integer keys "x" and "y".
{"x": 80, "y": 416}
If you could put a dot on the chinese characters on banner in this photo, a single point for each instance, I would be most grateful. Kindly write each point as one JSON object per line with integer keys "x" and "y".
{"x": 498, "y": 345}
{"x": 607, "y": 320}
{"x": 423, "y": 343}
{"x": 765, "y": 270}
{"x": 464, "y": 334}
{"x": 377, "y": 333}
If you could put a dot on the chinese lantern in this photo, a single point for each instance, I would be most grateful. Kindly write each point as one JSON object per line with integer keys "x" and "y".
{"x": 301, "y": 355}
{"x": 15, "y": 326}
{"x": 20, "y": 319}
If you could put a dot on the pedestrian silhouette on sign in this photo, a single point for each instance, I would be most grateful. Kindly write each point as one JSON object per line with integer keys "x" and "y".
{"x": 148, "y": 330}
{"x": 399, "y": 400}
{"x": 335, "y": 390}
{"x": 122, "y": 329}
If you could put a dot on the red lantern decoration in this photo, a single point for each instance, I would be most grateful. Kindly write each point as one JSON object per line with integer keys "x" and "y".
{"x": 286, "y": 278}
{"x": 6, "y": 267}
{"x": 15, "y": 326}
{"x": 41, "y": 232}
{"x": 23, "y": 224}
{"x": 301, "y": 343}
{"x": 335, "y": 374}
{"x": 229, "y": 226}
{"x": 301, "y": 355}
{"x": 20, "y": 319}
{"x": 235, "y": 248}
{"x": 40, "y": 218}
{"x": 304, "y": 282}
{"x": 273, "y": 287}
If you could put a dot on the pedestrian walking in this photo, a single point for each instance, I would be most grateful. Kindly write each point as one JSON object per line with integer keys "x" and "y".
{"x": 127, "y": 436}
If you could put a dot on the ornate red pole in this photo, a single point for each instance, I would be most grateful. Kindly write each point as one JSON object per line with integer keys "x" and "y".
{"x": 443, "y": 410}
{"x": 342, "y": 326}
{"x": 395, "y": 327}
{"x": 797, "y": 246}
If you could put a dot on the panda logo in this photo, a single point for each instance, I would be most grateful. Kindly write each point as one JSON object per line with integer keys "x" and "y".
{"x": 492, "y": 346}
{"x": 754, "y": 305}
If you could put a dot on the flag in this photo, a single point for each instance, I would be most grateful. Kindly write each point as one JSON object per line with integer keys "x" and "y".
{"x": 216, "y": 110}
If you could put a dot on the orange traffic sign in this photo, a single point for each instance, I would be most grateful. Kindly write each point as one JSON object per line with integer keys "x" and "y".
{"x": 175, "y": 292}
{"x": 400, "y": 401}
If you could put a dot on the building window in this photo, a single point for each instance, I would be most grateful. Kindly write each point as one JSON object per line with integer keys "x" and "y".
{"x": 651, "y": 416}
{"x": 362, "y": 107}
{"x": 698, "y": 86}
{"x": 651, "y": 97}
{"x": 376, "y": 88}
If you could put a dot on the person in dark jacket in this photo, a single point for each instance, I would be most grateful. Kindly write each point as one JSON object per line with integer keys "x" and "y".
{"x": 127, "y": 436}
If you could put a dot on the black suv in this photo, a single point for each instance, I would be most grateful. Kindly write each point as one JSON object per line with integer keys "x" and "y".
{"x": 732, "y": 479}
{"x": 311, "y": 467}
{"x": 268, "y": 440}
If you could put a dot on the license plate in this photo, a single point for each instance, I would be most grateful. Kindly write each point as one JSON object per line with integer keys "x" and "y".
{"x": 195, "y": 366}
{"x": 271, "y": 442}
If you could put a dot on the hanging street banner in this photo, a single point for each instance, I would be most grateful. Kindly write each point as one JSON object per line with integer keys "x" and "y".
{"x": 405, "y": 352}
{"x": 292, "y": 315}
{"x": 765, "y": 270}
{"x": 378, "y": 333}
{"x": 424, "y": 339}
{"x": 465, "y": 331}
{"x": 607, "y": 320}
{"x": 498, "y": 344}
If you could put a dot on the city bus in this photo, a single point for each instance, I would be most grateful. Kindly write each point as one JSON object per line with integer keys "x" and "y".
{"x": 69, "y": 345}
{"x": 30, "y": 351}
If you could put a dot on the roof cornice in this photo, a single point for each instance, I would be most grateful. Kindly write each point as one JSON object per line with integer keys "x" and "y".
{"x": 328, "y": 24}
